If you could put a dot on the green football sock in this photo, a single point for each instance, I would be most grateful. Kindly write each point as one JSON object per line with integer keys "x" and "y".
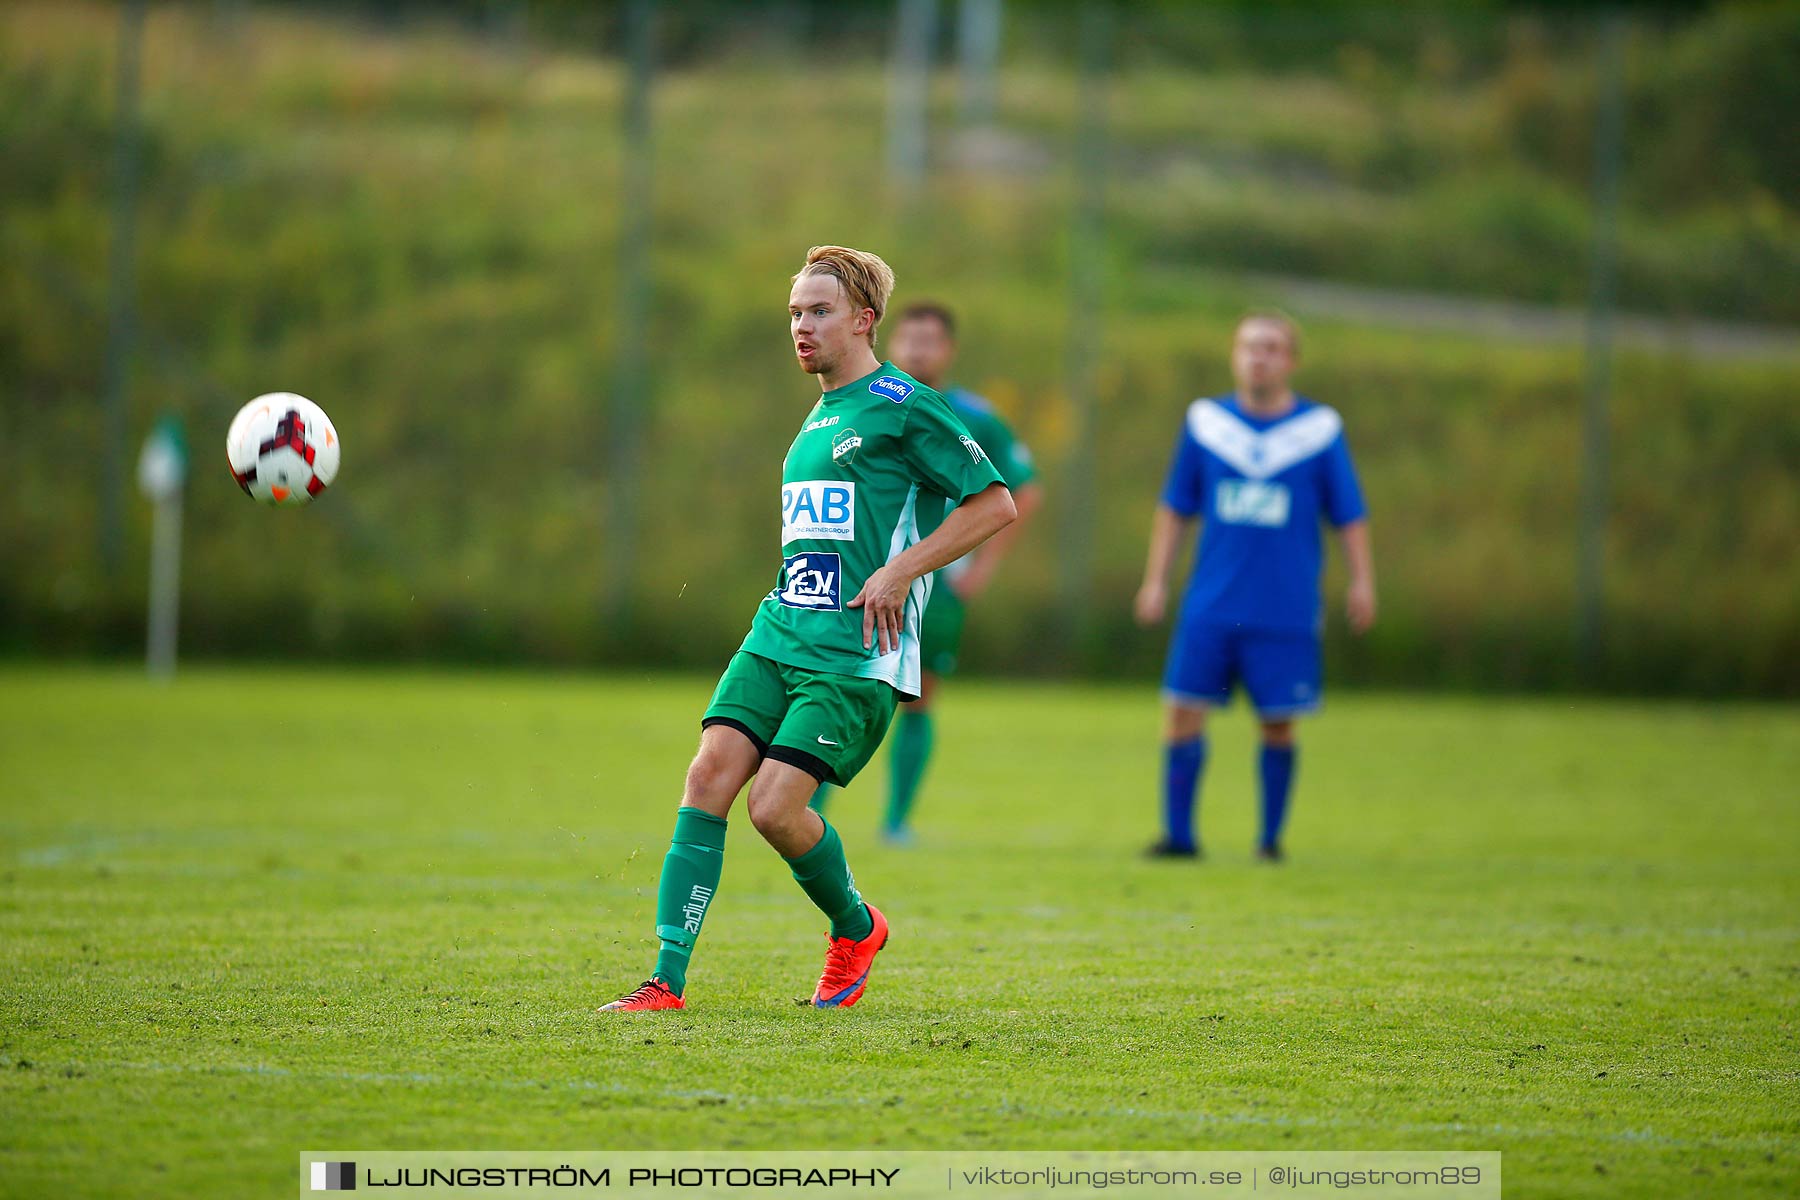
{"x": 824, "y": 875}
{"x": 906, "y": 765}
{"x": 821, "y": 798}
{"x": 690, "y": 876}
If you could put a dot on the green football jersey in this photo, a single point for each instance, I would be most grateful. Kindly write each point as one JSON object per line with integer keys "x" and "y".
{"x": 1008, "y": 454}
{"x": 870, "y": 459}
{"x": 1004, "y": 449}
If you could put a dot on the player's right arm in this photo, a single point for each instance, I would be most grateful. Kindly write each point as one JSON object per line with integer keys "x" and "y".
{"x": 1183, "y": 498}
{"x": 1168, "y": 529}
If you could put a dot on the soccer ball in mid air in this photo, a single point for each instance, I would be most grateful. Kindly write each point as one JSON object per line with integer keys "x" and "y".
{"x": 282, "y": 448}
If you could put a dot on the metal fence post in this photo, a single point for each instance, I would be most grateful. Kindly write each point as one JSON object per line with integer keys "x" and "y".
{"x": 909, "y": 92}
{"x": 1609, "y": 137}
{"x": 1087, "y": 253}
{"x": 628, "y": 404}
{"x": 121, "y": 305}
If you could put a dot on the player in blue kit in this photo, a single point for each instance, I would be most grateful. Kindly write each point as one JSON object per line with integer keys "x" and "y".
{"x": 1264, "y": 469}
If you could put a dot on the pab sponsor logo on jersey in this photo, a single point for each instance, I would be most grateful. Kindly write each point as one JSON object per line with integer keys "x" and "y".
{"x": 844, "y": 446}
{"x": 821, "y": 423}
{"x": 896, "y": 390}
{"x": 973, "y": 447}
{"x": 820, "y": 509}
{"x": 812, "y": 580}
{"x": 1252, "y": 502}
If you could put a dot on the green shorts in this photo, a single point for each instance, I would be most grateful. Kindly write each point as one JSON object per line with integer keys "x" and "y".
{"x": 940, "y": 635}
{"x": 827, "y": 725}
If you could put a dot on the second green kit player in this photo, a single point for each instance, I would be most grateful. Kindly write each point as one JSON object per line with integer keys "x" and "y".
{"x": 925, "y": 347}
{"x": 835, "y": 644}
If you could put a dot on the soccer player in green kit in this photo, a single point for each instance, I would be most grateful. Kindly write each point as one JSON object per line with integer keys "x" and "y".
{"x": 834, "y": 645}
{"x": 925, "y": 348}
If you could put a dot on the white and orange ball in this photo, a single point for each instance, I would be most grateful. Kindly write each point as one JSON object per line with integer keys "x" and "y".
{"x": 283, "y": 449}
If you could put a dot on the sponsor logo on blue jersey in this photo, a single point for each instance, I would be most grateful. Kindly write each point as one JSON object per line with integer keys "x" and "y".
{"x": 812, "y": 580}
{"x": 1253, "y": 502}
{"x": 896, "y": 390}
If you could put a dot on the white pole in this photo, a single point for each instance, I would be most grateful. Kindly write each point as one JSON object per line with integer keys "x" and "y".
{"x": 162, "y": 468}
{"x": 165, "y": 585}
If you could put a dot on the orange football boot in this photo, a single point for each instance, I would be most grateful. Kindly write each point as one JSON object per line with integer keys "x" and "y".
{"x": 650, "y": 996}
{"x": 847, "y": 965}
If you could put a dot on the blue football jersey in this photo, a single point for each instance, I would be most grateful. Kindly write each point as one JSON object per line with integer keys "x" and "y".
{"x": 1263, "y": 487}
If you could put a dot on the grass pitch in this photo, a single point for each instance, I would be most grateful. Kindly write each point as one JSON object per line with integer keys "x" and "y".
{"x": 259, "y": 912}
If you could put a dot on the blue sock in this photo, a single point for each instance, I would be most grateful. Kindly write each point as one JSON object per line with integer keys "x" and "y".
{"x": 1182, "y": 764}
{"x": 1277, "y": 768}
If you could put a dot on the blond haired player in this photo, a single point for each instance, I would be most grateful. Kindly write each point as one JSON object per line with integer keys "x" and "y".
{"x": 834, "y": 645}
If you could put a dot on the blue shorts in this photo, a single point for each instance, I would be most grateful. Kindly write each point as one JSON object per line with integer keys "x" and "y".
{"x": 1281, "y": 670}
